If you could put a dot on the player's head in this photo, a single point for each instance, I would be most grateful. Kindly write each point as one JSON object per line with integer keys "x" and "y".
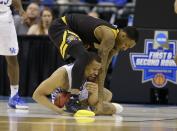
{"x": 93, "y": 67}
{"x": 127, "y": 38}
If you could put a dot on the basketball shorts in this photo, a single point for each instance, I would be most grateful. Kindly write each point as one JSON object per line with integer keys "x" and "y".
{"x": 8, "y": 36}
{"x": 62, "y": 36}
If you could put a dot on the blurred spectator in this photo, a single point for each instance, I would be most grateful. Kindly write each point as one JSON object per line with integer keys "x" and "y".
{"x": 93, "y": 14}
{"x": 48, "y": 2}
{"x": 116, "y": 2}
{"x": 90, "y": 1}
{"x": 42, "y": 27}
{"x": 32, "y": 15}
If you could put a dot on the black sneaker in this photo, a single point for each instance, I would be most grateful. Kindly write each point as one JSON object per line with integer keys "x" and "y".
{"x": 73, "y": 105}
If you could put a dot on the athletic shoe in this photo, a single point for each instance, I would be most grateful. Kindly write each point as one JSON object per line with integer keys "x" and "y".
{"x": 73, "y": 105}
{"x": 17, "y": 103}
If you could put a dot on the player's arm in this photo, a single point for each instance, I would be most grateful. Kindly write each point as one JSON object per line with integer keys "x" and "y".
{"x": 176, "y": 59}
{"x": 106, "y": 36}
{"x": 18, "y": 6}
{"x": 175, "y": 6}
{"x": 111, "y": 54}
{"x": 93, "y": 93}
{"x": 47, "y": 87}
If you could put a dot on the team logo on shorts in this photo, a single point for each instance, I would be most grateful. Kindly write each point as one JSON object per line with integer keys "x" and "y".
{"x": 71, "y": 38}
{"x": 157, "y": 62}
{"x": 13, "y": 50}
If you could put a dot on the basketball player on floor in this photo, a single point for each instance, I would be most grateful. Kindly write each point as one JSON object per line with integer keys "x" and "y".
{"x": 9, "y": 48}
{"x": 71, "y": 32}
{"x": 60, "y": 81}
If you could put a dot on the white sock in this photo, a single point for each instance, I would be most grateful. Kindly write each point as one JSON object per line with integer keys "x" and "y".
{"x": 14, "y": 90}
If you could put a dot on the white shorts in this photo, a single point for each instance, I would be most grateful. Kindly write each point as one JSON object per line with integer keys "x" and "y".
{"x": 8, "y": 36}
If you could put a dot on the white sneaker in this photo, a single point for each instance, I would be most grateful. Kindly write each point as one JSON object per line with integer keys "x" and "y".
{"x": 119, "y": 108}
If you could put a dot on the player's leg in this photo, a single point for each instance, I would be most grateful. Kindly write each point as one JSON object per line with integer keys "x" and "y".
{"x": 107, "y": 109}
{"x": 82, "y": 59}
{"x": 69, "y": 43}
{"x": 9, "y": 48}
{"x": 13, "y": 69}
{"x": 13, "y": 73}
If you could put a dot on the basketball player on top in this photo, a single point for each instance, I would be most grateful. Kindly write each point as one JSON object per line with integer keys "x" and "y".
{"x": 71, "y": 32}
{"x": 9, "y": 48}
{"x": 60, "y": 81}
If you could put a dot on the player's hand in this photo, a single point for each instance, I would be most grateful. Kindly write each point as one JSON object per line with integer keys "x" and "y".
{"x": 92, "y": 87}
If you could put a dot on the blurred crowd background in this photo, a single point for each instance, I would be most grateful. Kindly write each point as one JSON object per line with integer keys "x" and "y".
{"x": 40, "y": 13}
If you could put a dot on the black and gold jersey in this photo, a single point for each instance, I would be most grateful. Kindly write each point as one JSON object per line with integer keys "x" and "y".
{"x": 84, "y": 26}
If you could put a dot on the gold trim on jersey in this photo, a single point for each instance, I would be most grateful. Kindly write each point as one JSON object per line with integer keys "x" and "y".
{"x": 67, "y": 36}
{"x": 73, "y": 34}
{"x": 63, "y": 45}
{"x": 64, "y": 19}
{"x": 115, "y": 31}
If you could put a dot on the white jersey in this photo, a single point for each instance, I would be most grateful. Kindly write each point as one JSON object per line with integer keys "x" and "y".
{"x": 5, "y": 5}
{"x": 83, "y": 94}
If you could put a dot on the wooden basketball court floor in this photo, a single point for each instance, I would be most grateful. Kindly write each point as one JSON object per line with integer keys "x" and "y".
{"x": 133, "y": 118}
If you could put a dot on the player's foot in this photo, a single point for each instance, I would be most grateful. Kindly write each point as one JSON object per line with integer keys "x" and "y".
{"x": 16, "y": 102}
{"x": 74, "y": 104}
{"x": 119, "y": 108}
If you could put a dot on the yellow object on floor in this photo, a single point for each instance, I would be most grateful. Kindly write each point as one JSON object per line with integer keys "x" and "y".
{"x": 84, "y": 120}
{"x": 84, "y": 113}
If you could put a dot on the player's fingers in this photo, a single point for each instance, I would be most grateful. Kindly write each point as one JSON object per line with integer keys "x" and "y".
{"x": 91, "y": 84}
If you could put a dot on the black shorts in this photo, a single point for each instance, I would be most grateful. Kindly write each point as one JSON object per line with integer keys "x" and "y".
{"x": 62, "y": 36}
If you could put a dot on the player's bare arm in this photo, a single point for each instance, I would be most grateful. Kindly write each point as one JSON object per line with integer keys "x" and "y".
{"x": 111, "y": 54}
{"x": 93, "y": 93}
{"x": 106, "y": 37}
{"x": 176, "y": 59}
{"x": 175, "y": 6}
{"x": 57, "y": 79}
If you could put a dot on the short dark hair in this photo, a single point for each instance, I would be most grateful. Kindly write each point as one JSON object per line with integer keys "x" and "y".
{"x": 132, "y": 32}
{"x": 93, "y": 56}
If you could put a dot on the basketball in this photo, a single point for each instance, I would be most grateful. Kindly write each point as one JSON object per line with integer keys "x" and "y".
{"x": 61, "y": 99}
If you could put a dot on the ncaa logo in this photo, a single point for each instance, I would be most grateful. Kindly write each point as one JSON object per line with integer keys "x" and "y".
{"x": 161, "y": 38}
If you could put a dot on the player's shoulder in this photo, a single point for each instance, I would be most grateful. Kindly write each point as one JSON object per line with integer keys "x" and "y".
{"x": 105, "y": 32}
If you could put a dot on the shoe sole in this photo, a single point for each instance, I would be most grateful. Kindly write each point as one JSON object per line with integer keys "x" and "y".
{"x": 18, "y": 107}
